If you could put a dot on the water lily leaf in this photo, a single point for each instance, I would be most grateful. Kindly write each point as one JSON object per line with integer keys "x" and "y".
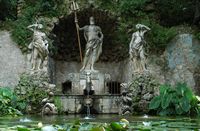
{"x": 98, "y": 129}
{"x": 74, "y": 129}
{"x": 116, "y": 126}
{"x": 22, "y": 129}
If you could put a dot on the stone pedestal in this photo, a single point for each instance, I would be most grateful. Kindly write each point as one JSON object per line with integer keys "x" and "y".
{"x": 79, "y": 82}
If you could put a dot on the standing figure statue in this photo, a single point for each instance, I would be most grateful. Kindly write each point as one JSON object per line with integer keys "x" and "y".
{"x": 136, "y": 49}
{"x": 38, "y": 46}
{"x": 94, "y": 39}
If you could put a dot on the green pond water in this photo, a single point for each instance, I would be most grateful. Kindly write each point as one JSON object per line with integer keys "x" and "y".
{"x": 136, "y": 122}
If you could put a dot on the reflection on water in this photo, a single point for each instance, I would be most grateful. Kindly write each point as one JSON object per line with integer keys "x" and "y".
{"x": 168, "y": 123}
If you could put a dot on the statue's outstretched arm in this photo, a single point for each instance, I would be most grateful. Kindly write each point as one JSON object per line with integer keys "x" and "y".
{"x": 77, "y": 25}
{"x": 79, "y": 28}
{"x": 30, "y": 27}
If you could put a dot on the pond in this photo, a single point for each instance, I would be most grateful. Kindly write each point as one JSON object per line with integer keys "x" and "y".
{"x": 144, "y": 122}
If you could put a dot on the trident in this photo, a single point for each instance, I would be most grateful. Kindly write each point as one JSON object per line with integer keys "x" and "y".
{"x": 74, "y": 7}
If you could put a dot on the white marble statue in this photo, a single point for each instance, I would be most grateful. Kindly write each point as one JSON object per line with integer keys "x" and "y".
{"x": 94, "y": 39}
{"x": 38, "y": 46}
{"x": 136, "y": 49}
{"x": 49, "y": 107}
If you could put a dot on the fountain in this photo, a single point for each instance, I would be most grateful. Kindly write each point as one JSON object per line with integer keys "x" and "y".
{"x": 90, "y": 78}
{"x": 86, "y": 89}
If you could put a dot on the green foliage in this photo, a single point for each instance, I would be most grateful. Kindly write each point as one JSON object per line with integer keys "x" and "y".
{"x": 59, "y": 105}
{"x": 113, "y": 126}
{"x": 159, "y": 37}
{"x": 31, "y": 11}
{"x": 8, "y": 9}
{"x": 131, "y": 7}
{"x": 21, "y": 35}
{"x": 9, "y": 103}
{"x": 198, "y": 35}
{"x": 31, "y": 91}
{"x": 163, "y": 14}
{"x": 178, "y": 100}
{"x": 175, "y": 12}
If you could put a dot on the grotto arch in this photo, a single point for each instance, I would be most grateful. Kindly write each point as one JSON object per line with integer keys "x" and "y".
{"x": 65, "y": 58}
{"x": 66, "y": 41}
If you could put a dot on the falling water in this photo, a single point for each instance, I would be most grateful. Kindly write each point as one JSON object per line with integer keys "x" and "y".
{"x": 88, "y": 110}
{"x": 88, "y": 116}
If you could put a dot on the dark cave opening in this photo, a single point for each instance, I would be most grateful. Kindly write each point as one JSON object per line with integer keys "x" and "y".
{"x": 66, "y": 43}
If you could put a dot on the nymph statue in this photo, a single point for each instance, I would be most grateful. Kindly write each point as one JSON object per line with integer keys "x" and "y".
{"x": 136, "y": 49}
{"x": 38, "y": 46}
{"x": 94, "y": 39}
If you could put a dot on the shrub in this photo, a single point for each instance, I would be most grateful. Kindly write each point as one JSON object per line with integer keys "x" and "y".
{"x": 178, "y": 100}
{"x": 175, "y": 12}
{"x": 8, "y": 9}
{"x": 131, "y": 7}
{"x": 31, "y": 90}
{"x": 197, "y": 35}
{"x": 9, "y": 102}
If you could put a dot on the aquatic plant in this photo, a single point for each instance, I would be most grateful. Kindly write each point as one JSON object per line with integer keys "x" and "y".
{"x": 9, "y": 104}
{"x": 178, "y": 100}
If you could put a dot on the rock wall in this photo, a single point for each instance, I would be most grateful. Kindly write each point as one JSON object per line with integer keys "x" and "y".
{"x": 12, "y": 61}
{"x": 183, "y": 61}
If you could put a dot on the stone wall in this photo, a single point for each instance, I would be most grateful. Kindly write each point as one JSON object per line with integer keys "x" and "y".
{"x": 12, "y": 61}
{"x": 62, "y": 69}
{"x": 183, "y": 61}
{"x": 101, "y": 104}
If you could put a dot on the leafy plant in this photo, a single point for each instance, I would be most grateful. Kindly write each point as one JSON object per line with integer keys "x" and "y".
{"x": 175, "y": 12}
{"x": 178, "y": 100}
{"x": 58, "y": 104}
{"x": 30, "y": 90}
{"x": 198, "y": 35}
{"x": 159, "y": 37}
{"x": 9, "y": 103}
{"x": 8, "y": 9}
{"x": 128, "y": 7}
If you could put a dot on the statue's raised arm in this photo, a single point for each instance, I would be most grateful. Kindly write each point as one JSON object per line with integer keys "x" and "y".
{"x": 34, "y": 26}
{"x": 38, "y": 46}
{"x": 136, "y": 48}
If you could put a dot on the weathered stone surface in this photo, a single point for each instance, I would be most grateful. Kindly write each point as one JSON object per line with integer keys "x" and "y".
{"x": 118, "y": 71}
{"x": 183, "y": 58}
{"x": 12, "y": 62}
{"x": 143, "y": 87}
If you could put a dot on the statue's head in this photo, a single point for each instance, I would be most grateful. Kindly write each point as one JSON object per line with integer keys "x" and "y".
{"x": 142, "y": 27}
{"x": 139, "y": 26}
{"x": 39, "y": 26}
{"x": 92, "y": 22}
